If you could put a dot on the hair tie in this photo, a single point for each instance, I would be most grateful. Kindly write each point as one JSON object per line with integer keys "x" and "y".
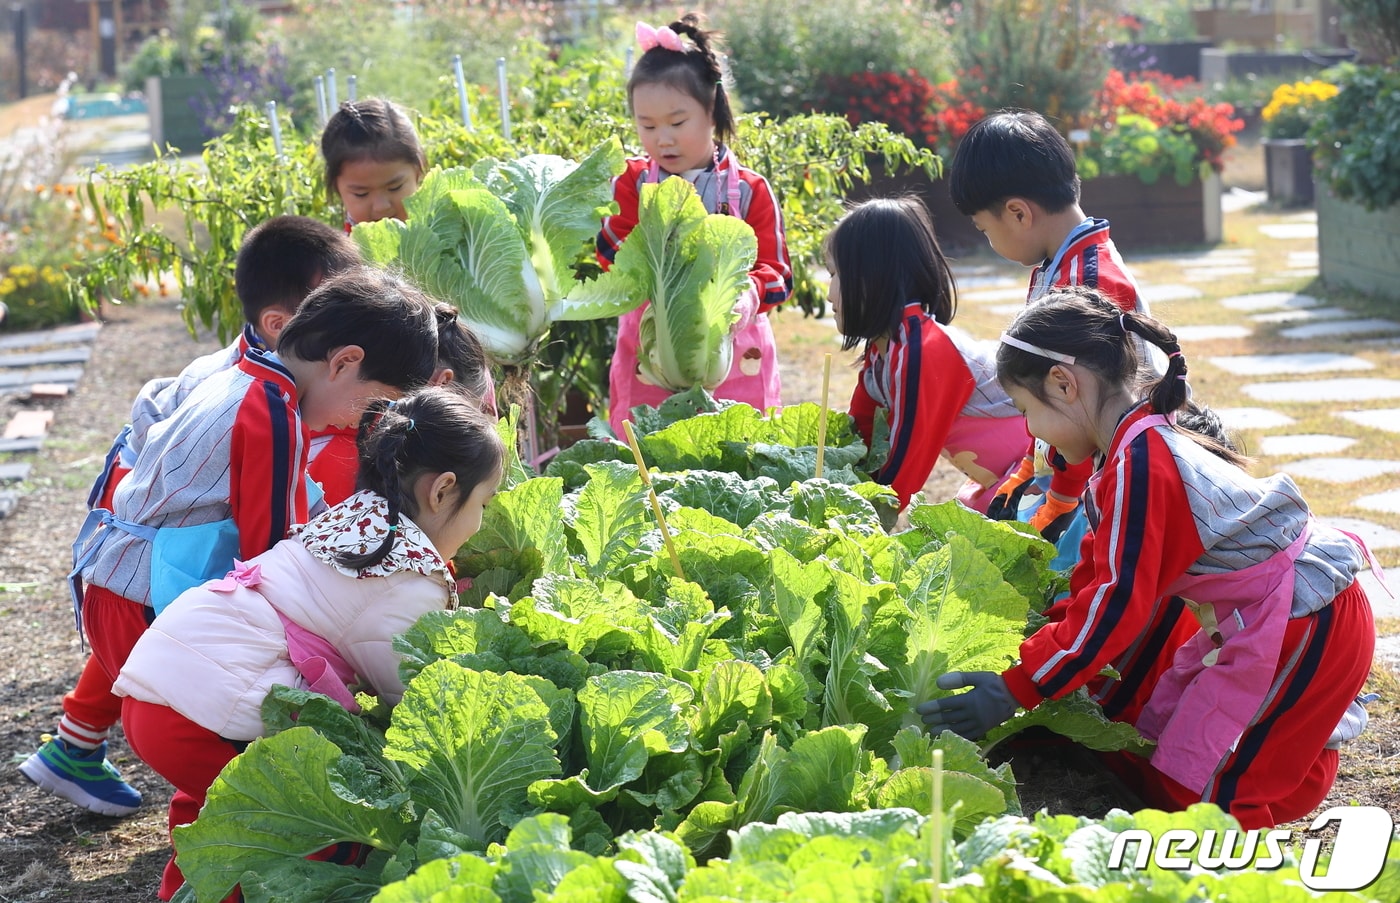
{"x": 1123, "y": 323}
{"x": 393, "y": 528}
{"x": 1036, "y": 349}
{"x": 411, "y": 423}
{"x": 663, "y": 37}
{"x": 1176, "y": 353}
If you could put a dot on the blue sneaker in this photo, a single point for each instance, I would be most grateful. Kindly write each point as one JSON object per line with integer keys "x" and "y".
{"x": 83, "y": 777}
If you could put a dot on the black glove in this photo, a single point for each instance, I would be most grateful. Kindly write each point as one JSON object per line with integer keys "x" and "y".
{"x": 971, "y": 714}
{"x": 1007, "y": 502}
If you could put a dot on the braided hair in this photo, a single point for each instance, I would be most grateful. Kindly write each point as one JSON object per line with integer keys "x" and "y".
{"x": 369, "y": 129}
{"x": 434, "y": 430}
{"x": 1080, "y": 322}
{"x": 696, "y": 72}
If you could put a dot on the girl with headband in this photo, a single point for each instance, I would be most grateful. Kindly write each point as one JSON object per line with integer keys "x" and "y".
{"x": 1250, "y": 712}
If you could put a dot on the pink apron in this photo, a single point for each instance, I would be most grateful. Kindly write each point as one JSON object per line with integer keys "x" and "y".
{"x": 1221, "y": 678}
{"x": 753, "y": 377}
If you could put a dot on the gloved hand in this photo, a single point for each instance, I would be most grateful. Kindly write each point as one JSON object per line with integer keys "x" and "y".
{"x": 1053, "y": 516}
{"x": 1007, "y": 501}
{"x": 971, "y": 714}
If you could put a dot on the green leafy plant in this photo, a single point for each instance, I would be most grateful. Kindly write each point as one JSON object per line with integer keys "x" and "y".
{"x": 1293, "y": 107}
{"x": 1137, "y": 146}
{"x": 1356, "y": 137}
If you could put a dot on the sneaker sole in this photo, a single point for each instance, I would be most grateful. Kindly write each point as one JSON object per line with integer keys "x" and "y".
{"x": 35, "y": 769}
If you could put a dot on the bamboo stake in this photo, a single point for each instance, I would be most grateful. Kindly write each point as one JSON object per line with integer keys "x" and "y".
{"x": 461, "y": 80}
{"x": 937, "y": 860}
{"x": 821, "y": 418}
{"x": 655, "y": 502}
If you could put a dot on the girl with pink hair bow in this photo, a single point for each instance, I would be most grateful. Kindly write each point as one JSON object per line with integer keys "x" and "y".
{"x": 684, "y": 121}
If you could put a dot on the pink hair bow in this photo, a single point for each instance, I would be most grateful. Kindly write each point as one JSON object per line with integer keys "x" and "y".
{"x": 662, "y": 37}
{"x": 243, "y": 574}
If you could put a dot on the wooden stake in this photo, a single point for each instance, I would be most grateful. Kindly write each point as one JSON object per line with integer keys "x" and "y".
{"x": 655, "y": 502}
{"x": 821, "y": 418}
{"x": 937, "y": 860}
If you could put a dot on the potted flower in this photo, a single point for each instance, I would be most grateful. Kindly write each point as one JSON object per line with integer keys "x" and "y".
{"x": 1287, "y": 156}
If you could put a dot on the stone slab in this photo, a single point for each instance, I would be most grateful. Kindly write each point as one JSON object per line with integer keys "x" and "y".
{"x": 1208, "y": 273}
{"x": 1302, "y": 216}
{"x": 1353, "y": 389}
{"x": 1269, "y": 301}
{"x": 81, "y": 332}
{"x": 974, "y": 281}
{"x": 1304, "y": 444}
{"x": 26, "y": 444}
{"x": 1387, "y": 419}
{"x": 1210, "y": 333}
{"x": 9, "y": 501}
{"x": 1374, "y": 535}
{"x": 1286, "y": 231}
{"x": 1342, "y": 470}
{"x": 1253, "y": 418}
{"x": 21, "y": 380}
{"x": 1388, "y": 502}
{"x": 1006, "y": 310}
{"x": 1383, "y": 604}
{"x": 989, "y": 296}
{"x": 1302, "y": 258}
{"x": 49, "y": 391}
{"x": 15, "y": 471}
{"x": 1285, "y": 364}
{"x": 1340, "y": 328}
{"x": 1309, "y": 315}
{"x": 1159, "y": 294}
{"x": 76, "y": 354}
{"x": 27, "y": 424}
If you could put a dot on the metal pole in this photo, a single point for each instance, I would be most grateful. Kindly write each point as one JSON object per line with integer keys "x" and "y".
{"x": 505, "y": 96}
{"x": 276, "y": 127}
{"x": 17, "y": 11}
{"x": 352, "y": 89}
{"x": 332, "y": 91}
{"x": 321, "y": 98}
{"x": 462, "y": 92}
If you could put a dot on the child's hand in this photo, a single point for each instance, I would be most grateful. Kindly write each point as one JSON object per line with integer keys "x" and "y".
{"x": 1007, "y": 501}
{"x": 746, "y": 308}
{"x": 971, "y": 714}
{"x": 1053, "y": 516}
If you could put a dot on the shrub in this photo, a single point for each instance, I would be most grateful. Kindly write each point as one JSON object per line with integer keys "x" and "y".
{"x": 932, "y": 116}
{"x": 1356, "y": 137}
{"x": 1166, "y": 103}
{"x": 1374, "y": 27}
{"x": 1293, "y": 107}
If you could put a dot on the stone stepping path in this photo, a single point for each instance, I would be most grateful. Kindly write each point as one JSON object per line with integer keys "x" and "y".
{"x": 1288, "y": 231}
{"x": 1269, "y": 301}
{"x": 1289, "y": 364}
{"x": 1388, "y": 502}
{"x": 1309, "y": 315}
{"x": 1253, "y": 418}
{"x": 1304, "y": 444}
{"x": 72, "y": 355}
{"x": 1383, "y": 604}
{"x": 1354, "y": 389}
{"x": 1387, "y": 419}
{"x": 1344, "y": 470}
{"x": 1210, "y": 333}
{"x": 1208, "y": 274}
{"x": 1374, "y": 535}
{"x": 1010, "y": 293}
{"x": 1339, "y": 329}
{"x": 14, "y": 472}
{"x": 1159, "y": 294}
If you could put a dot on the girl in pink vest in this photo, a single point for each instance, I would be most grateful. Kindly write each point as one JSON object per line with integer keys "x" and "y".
{"x": 891, "y": 288}
{"x": 1250, "y": 712}
{"x": 319, "y": 610}
{"x": 683, "y": 120}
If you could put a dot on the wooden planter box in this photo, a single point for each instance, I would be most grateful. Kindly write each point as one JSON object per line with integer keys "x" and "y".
{"x": 1358, "y": 248}
{"x": 171, "y": 101}
{"x": 1164, "y": 214}
{"x": 1288, "y": 170}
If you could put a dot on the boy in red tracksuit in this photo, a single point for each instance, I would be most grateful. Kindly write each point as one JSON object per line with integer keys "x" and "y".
{"x": 1015, "y": 176}
{"x": 279, "y": 262}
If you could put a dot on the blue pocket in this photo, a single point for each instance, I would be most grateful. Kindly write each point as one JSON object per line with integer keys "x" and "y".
{"x": 183, "y": 557}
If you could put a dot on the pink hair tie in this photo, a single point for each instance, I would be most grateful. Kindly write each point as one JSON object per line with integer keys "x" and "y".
{"x": 662, "y": 37}
{"x": 1176, "y": 353}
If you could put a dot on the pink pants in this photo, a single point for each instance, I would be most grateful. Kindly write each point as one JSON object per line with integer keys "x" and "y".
{"x": 753, "y": 377}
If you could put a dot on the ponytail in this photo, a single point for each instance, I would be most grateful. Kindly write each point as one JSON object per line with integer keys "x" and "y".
{"x": 431, "y": 431}
{"x": 695, "y": 71}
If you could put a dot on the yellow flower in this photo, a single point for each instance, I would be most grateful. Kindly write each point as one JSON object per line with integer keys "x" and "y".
{"x": 7, "y": 286}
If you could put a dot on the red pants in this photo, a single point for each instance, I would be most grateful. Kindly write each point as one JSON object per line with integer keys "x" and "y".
{"x": 1280, "y": 771}
{"x": 190, "y": 757}
{"x": 113, "y": 623}
{"x": 91, "y": 702}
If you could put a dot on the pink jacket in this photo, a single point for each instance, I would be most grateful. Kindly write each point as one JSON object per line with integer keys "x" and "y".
{"x": 214, "y": 654}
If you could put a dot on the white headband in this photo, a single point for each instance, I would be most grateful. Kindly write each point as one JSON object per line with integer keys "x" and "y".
{"x": 1036, "y": 349}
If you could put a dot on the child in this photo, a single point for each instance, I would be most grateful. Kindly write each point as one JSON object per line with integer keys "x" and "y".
{"x": 891, "y": 287}
{"x": 683, "y": 120}
{"x": 279, "y": 262}
{"x": 319, "y": 610}
{"x": 373, "y": 160}
{"x": 462, "y": 362}
{"x": 1251, "y": 711}
{"x": 1014, "y": 174}
{"x": 224, "y": 477}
